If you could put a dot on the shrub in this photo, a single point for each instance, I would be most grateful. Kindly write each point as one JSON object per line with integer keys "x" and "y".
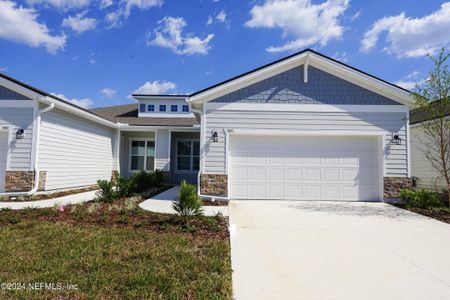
{"x": 125, "y": 186}
{"x": 107, "y": 192}
{"x": 188, "y": 204}
{"x": 158, "y": 178}
{"x": 142, "y": 181}
{"x": 420, "y": 199}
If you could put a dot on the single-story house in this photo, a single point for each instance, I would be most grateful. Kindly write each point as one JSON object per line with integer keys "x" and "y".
{"x": 426, "y": 176}
{"x": 305, "y": 127}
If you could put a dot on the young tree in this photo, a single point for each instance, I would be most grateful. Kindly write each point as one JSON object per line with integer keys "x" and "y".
{"x": 433, "y": 98}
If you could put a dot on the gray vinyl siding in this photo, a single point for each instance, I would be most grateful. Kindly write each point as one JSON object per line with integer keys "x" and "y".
{"x": 393, "y": 123}
{"x": 126, "y": 138}
{"x": 20, "y": 150}
{"x": 428, "y": 177}
{"x": 162, "y": 150}
{"x": 7, "y": 94}
{"x": 74, "y": 151}
{"x": 176, "y": 177}
{"x": 321, "y": 88}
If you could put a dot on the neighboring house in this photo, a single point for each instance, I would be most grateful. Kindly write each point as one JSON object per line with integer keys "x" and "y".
{"x": 421, "y": 168}
{"x": 305, "y": 127}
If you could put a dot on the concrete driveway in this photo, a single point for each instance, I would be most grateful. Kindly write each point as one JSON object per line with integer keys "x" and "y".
{"x": 328, "y": 250}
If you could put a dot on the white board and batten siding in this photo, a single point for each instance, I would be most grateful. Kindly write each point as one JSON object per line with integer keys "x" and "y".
{"x": 162, "y": 150}
{"x": 428, "y": 177}
{"x": 74, "y": 151}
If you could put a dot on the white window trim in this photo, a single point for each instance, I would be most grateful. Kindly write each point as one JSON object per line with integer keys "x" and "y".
{"x": 161, "y": 105}
{"x": 192, "y": 140}
{"x": 176, "y": 111}
{"x": 145, "y": 151}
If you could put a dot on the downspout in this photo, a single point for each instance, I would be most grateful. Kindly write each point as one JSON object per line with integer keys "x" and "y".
{"x": 202, "y": 131}
{"x": 36, "y": 155}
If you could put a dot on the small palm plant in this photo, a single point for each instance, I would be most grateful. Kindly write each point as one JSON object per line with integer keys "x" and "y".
{"x": 188, "y": 204}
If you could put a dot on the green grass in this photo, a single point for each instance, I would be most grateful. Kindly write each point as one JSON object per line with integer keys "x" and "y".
{"x": 112, "y": 262}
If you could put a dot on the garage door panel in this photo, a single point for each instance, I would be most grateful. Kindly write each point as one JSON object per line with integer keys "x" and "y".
{"x": 304, "y": 168}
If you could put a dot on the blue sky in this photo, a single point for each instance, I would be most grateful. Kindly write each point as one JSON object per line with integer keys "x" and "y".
{"x": 97, "y": 52}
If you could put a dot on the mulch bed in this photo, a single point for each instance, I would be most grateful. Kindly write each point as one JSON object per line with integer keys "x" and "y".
{"x": 440, "y": 214}
{"x": 50, "y": 195}
{"x": 120, "y": 213}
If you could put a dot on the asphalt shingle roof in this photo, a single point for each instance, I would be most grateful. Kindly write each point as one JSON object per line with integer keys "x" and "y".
{"x": 129, "y": 114}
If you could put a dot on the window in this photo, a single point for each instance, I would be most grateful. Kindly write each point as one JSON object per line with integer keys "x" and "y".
{"x": 150, "y": 107}
{"x": 142, "y": 107}
{"x": 162, "y": 107}
{"x": 142, "y": 155}
{"x": 188, "y": 156}
{"x": 185, "y": 108}
{"x": 174, "y": 108}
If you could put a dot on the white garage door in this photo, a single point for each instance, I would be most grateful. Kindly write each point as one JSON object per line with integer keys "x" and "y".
{"x": 3, "y": 156}
{"x": 305, "y": 168}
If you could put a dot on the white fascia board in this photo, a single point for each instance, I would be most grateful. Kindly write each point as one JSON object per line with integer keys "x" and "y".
{"x": 274, "y": 107}
{"x": 167, "y": 115}
{"x": 329, "y": 66}
{"x": 19, "y": 89}
{"x": 170, "y": 97}
{"x": 125, "y": 128}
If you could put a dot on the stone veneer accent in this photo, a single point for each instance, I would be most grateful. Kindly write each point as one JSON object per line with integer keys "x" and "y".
{"x": 23, "y": 181}
{"x": 393, "y": 185}
{"x": 214, "y": 184}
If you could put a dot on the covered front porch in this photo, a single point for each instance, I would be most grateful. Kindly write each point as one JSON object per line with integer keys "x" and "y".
{"x": 175, "y": 151}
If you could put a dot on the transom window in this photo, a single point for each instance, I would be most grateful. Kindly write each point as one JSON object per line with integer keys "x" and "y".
{"x": 142, "y": 155}
{"x": 162, "y": 107}
{"x": 188, "y": 155}
{"x": 174, "y": 108}
{"x": 150, "y": 107}
{"x": 185, "y": 108}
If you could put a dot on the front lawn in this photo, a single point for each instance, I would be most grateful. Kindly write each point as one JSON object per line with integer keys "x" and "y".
{"x": 115, "y": 251}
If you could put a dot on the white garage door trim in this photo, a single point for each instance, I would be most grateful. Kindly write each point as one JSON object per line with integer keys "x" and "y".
{"x": 4, "y": 156}
{"x": 375, "y": 134}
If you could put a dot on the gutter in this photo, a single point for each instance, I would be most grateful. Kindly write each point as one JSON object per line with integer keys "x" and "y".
{"x": 36, "y": 153}
{"x": 202, "y": 131}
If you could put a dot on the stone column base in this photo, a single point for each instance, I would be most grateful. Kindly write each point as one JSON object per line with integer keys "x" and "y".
{"x": 393, "y": 185}
{"x": 214, "y": 185}
{"x": 23, "y": 181}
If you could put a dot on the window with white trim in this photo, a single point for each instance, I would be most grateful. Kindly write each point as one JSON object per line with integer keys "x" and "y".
{"x": 185, "y": 108}
{"x": 142, "y": 155}
{"x": 188, "y": 155}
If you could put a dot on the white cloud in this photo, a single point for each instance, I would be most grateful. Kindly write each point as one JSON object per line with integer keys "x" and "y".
{"x": 116, "y": 18}
{"x": 156, "y": 87}
{"x": 341, "y": 56}
{"x": 61, "y": 4}
{"x": 411, "y": 37}
{"x": 79, "y": 23}
{"x": 92, "y": 58}
{"x": 4, "y": 69}
{"x": 356, "y": 15}
{"x": 105, "y": 3}
{"x": 410, "y": 81}
{"x": 210, "y": 20}
{"x": 108, "y": 93}
{"x": 307, "y": 23}
{"x": 169, "y": 34}
{"x": 20, "y": 25}
{"x": 84, "y": 102}
{"x": 220, "y": 17}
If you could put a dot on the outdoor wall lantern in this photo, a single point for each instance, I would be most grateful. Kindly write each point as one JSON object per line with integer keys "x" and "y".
{"x": 215, "y": 137}
{"x": 19, "y": 134}
{"x": 397, "y": 139}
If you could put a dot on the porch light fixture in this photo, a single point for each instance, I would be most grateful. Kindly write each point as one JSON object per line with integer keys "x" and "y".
{"x": 397, "y": 139}
{"x": 215, "y": 136}
{"x": 19, "y": 134}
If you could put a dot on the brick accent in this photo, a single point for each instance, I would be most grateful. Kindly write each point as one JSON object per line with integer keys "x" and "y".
{"x": 23, "y": 181}
{"x": 393, "y": 185}
{"x": 214, "y": 184}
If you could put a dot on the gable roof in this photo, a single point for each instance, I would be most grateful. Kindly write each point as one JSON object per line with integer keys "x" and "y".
{"x": 129, "y": 114}
{"x": 72, "y": 107}
{"x": 306, "y": 57}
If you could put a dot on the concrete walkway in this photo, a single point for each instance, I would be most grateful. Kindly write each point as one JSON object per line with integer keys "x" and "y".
{"x": 70, "y": 199}
{"x": 329, "y": 250}
{"x": 162, "y": 203}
